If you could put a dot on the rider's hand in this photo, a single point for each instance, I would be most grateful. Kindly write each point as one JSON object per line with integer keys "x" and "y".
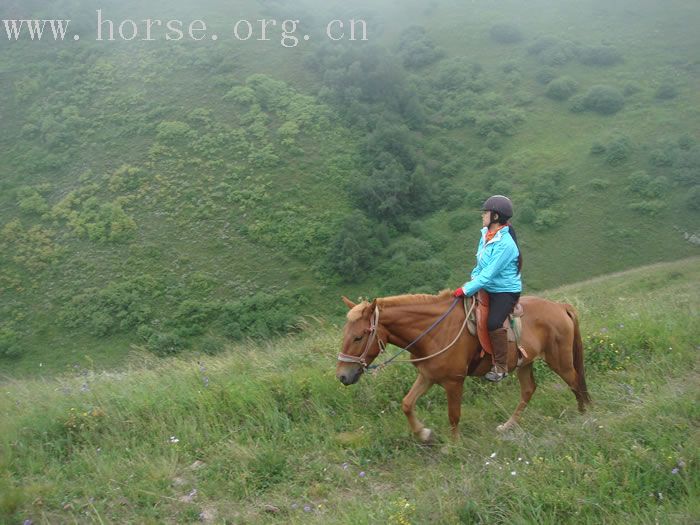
{"x": 459, "y": 292}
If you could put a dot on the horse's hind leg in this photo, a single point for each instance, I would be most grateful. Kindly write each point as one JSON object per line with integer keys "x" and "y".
{"x": 527, "y": 388}
{"x": 408, "y": 405}
{"x": 454, "y": 404}
{"x": 570, "y": 377}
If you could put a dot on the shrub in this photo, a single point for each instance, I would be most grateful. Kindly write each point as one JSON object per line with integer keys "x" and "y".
{"x": 693, "y": 198}
{"x": 165, "y": 344}
{"x": 666, "y": 91}
{"x": 527, "y": 214}
{"x": 561, "y": 88}
{"x": 460, "y": 221}
{"x": 600, "y": 184}
{"x": 506, "y": 34}
{"x": 545, "y": 76}
{"x": 577, "y": 104}
{"x": 9, "y": 343}
{"x": 597, "y": 148}
{"x": 647, "y": 207}
{"x": 546, "y": 219}
{"x": 30, "y": 201}
{"x": 603, "y": 99}
{"x": 417, "y": 49}
{"x": 261, "y": 316}
{"x": 631, "y": 88}
{"x": 553, "y": 51}
{"x": 174, "y": 132}
{"x": 618, "y": 150}
{"x": 600, "y": 55}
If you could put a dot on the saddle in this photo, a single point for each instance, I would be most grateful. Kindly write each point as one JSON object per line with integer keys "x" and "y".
{"x": 476, "y": 323}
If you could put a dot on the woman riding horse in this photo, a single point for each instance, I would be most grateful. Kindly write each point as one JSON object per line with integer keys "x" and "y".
{"x": 497, "y": 271}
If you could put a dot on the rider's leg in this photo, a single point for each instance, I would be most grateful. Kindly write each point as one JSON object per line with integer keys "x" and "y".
{"x": 500, "y": 305}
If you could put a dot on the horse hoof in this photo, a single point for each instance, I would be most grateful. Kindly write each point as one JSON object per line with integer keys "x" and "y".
{"x": 505, "y": 427}
{"x": 426, "y": 435}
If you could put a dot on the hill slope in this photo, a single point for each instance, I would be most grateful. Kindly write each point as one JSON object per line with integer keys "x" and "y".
{"x": 267, "y": 434}
{"x": 153, "y": 192}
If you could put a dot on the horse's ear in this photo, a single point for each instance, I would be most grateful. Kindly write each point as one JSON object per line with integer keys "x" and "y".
{"x": 348, "y": 303}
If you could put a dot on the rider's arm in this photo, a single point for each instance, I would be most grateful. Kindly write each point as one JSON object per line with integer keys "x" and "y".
{"x": 503, "y": 253}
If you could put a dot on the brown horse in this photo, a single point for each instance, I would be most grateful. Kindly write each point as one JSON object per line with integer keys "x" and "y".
{"x": 550, "y": 330}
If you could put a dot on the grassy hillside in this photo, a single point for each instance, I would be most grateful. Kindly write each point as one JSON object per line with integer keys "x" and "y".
{"x": 153, "y": 193}
{"x": 266, "y": 434}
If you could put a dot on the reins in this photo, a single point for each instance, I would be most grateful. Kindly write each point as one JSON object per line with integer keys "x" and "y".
{"x": 374, "y": 323}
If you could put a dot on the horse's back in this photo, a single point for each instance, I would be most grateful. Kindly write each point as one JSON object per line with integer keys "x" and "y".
{"x": 546, "y": 322}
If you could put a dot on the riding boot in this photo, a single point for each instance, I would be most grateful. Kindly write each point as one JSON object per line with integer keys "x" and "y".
{"x": 499, "y": 343}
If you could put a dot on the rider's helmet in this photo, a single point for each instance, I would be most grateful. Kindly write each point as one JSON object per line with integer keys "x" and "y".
{"x": 500, "y": 204}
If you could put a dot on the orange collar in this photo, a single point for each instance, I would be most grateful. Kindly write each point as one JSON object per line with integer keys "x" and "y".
{"x": 491, "y": 234}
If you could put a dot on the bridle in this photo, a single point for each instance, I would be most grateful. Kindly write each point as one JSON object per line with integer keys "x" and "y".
{"x": 362, "y": 358}
{"x": 374, "y": 323}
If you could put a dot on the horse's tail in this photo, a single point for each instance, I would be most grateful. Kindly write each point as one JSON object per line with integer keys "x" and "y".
{"x": 578, "y": 356}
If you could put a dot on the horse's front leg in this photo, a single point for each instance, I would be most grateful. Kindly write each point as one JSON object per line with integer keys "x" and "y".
{"x": 408, "y": 405}
{"x": 453, "y": 389}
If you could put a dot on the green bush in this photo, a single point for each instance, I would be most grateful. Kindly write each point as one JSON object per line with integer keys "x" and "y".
{"x": 165, "y": 344}
{"x": 666, "y": 91}
{"x": 605, "y": 100}
{"x": 417, "y": 49}
{"x": 597, "y": 148}
{"x": 600, "y": 184}
{"x": 547, "y": 219}
{"x": 261, "y": 316}
{"x": 692, "y": 200}
{"x": 618, "y": 150}
{"x": 648, "y": 207}
{"x": 631, "y": 88}
{"x": 553, "y": 51}
{"x": 545, "y": 76}
{"x": 9, "y": 343}
{"x": 561, "y": 88}
{"x": 526, "y": 213}
{"x": 600, "y": 55}
{"x": 459, "y": 222}
{"x": 506, "y": 33}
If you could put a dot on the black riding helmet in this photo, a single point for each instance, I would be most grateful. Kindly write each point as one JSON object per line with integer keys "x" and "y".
{"x": 500, "y": 204}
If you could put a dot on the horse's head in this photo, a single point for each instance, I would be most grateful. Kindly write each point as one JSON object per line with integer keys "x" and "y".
{"x": 361, "y": 341}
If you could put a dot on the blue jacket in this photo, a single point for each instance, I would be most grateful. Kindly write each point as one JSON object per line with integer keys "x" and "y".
{"x": 496, "y": 265}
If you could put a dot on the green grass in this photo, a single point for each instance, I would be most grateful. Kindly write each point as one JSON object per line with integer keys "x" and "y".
{"x": 273, "y": 427}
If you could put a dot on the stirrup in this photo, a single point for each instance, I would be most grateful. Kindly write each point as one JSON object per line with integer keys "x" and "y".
{"x": 494, "y": 376}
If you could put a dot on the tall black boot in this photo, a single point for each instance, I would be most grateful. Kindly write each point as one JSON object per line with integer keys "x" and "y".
{"x": 499, "y": 343}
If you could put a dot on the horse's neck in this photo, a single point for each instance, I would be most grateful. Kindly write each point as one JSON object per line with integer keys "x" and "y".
{"x": 405, "y": 323}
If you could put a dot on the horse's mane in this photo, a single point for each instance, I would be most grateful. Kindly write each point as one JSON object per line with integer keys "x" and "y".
{"x": 398, "y": 300}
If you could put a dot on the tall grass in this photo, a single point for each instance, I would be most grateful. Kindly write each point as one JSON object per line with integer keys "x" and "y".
{"x": 265, "y": 433}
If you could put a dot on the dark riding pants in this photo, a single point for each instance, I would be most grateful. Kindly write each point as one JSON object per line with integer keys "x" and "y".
{"x": 500, "y": 305}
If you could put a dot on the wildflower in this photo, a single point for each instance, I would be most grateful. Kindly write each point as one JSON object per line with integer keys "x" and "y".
{"x": 487, "y": 463}
{"x": 493, "y": 455}
{"x": 28, "y": 522}
{"x": 362, "y": 474}
{"x": 520, "y": 459}
{"x": 295, "y": 506}
{"x": 307, "y": 508}
{"x": 513, "y": 473}
{"x": 173, "y": 439}
{"x": 345, "y": 466}
{"x": 675, "y": 470}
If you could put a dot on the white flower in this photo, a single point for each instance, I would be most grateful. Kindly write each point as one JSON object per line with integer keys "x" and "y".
{"x": 493, "y": 455}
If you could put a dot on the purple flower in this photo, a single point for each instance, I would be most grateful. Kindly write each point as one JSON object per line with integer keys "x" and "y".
{"x": 28, "y": 522}
{"x": 675, "y": 471}
{"x": 346, "y": 466}
{"x": 362, "y": 474}
{"x": 307, "y": 508}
